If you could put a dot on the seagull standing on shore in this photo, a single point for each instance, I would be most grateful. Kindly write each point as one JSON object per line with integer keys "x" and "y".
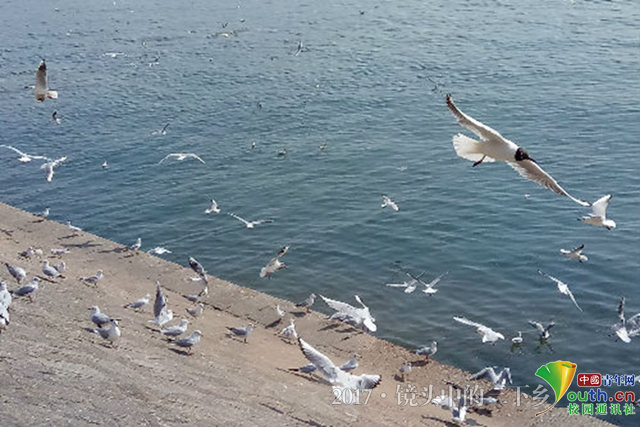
{"x": 340, "y": 379}
{"x": 18, "y": 273}
{"x": 177, "y": 330}
{"x": 27, "y": 289}
{"x": 241, "y": 332}
{"x": 250, "y": 224}
{"x": 275, "y": 264}
{"x": 5, "y": 296}
{"x": 24, "y": 157}
{"x": 289, "y": 332}
{"x": 161, "y": 313}
{"x": 196, "y": 312}
{"x": 386, "y": 201}
{"x": 93, "y": 279}
{"x": 494, "y": 147}
{"x": 41, "y": 91}
{"x": 598, "y": 215}
{"x": 44, "y": 214}
{"x": 4, "y": 317}
{"x": 563, "y": 288}
{"x": 139, "y": 303}
{"x": 575, "y": 253}
{"x": 111, "y": 334}
{"x": 405, "y": 370}
{"x": 427, "y": 351}
{"x": 49, "y": 270}
{"x": 488, "y": 334}
{"x": 307, "y": 303}
{"x": 73, "y": 228}
{"x": 180, "y": 157}
{"x": 137, "y": 245}
{"x": 98, "y": 317}
{"x": 189, "y": 342}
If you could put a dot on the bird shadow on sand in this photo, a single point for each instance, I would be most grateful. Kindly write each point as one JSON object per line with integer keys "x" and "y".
{"x": 8, "y": 233}
{"x": 181, "y": 352}
{"x": 419, "y": 362}
{"x": 330, "y": 326}
{"x": 298, "y": 314}
{"x": 304, "y": 376}
{"x": 448, "y": 423}
{"x": 87, "y": 244}
{"x": 114, "y": 250}
{"x": 273, "y": 324}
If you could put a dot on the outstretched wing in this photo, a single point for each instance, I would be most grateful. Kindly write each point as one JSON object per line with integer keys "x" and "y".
{"x": 319, "y": 360}
{"x": 466, "y": 321}
{"x": 530, "y": 170}
{"x": 599, "y": 207}
{"x": 486, "y": 374}
{"x": 339, "y": 306}
{"x": 483, "y": 131}
{"x": 537, "y": 325}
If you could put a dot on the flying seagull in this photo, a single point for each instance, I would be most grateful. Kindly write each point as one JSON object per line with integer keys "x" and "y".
{"x": 250, "y": 224}
{"x": 488, "y": 334}
{"x": 55, "y": 119}
{"x": 181, "y": 156}
{"x": 41, "y": 90}
{"x": 357, "y": 317}
{"x": 499, "y": 381}
{"x": 575, "y": 253}
{"x": 598, "y": 215}
{"x": 544, "y": 332}
{"x": 213, "y": 209}
{"x": 275, "y": 264}
{"x": 408, "y": 285}
{"x": 24, "y": 157}
{"x": 626, "y": 329}
{"x": 50, "y": 166}
{"x": 430, "y": 287}
{"x": 337, "y": 377}
{"x": 563, "y": 288}
{"x": 386, "y": 201}
{"x": 494, "y": 147}
{"x": 159, "y": 250}
{"x": 163, "y": 131}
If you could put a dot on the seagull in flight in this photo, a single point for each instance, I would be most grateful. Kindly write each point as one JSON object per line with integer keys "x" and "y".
{"x": 163, "y": 131}
{"x": 386, "y": 201}
{"x": 499, "y": 381}
{"x": 275, "y": 264}
{"x": 408, "y": 285}
{"x": 563, "y": 288}
{"x": 181, "y": 156}
{"x": 24, "y": 157}
{"x": 51, "y": 165}
{"x": 598, "y": 215}
{"x": 544, "y": 332}
{"x": 250, "y": 224}
{"x": 55, "y": 119}
{"x": 494, "y": 147}
{"x": 626, "y": 329}
{"x": 159, "y": 250}
{"x": 430, "y": 287}
{"x": 41, "y": 90}
{"x": 575, "y": 253}
{"x": 213, "y": 209}
{"x": 299, "y": 49}
{"x": 357, "y": 317}
{"x": 488, "y": 334}
{"x": 337, "y": 377}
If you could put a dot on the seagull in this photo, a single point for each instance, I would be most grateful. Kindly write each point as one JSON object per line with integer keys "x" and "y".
{"x": 98, "y": 317}
{"x": 4, "y": 317}
{"x": 44, "y": 214}
{"x": 544, "y": 332}
{"x": 105, "y": 165}
{"x": 250, "y": 224}
{"x": 73, "y": 228}
{"x": 160, "y": 311}
{"x": 289, "y": 332}
{"x": 55, "y": 119}
{"x": 405, "y": 370}
{"x": 575, "y": 253}
{"x": 196, "y": 312}
{"x": 494, "y": 147}
{"x": 275, "y": 264}
{"x": 563, "y": 288}
{"x": 348, "y": 366}
{"x": 427, "y": 351}
{"x": 27, "y": 289}
{"x": 31, "y": 251}
{"x": 358, "y": 317}
{"x": 5, "y": 296}
{"x": 598, "y": 215}
{"x": 337, "y": 377}
{"x": 429, "y": 287}
{"x": 280, "y": 311}
{"x": 307, "y": 303}
{"x": 299, "y": 49}
{"x": 24, "y": 157}
{"x": 163, "y": 131}
{"x": 61, "y": 267}
{"x": 213, "y": 209}
{"x": 111, "y": 334}
{"x": 93, "y": 279}
{"x": 137, "y": 245}
{"x": 190, "y": 341}
{"x": 386, "y": 201}
{"x": 50, "y": 166}
{"x": 241, "y": 332}
{"x": 517, "y": 340}
{"x": 176, "y": 331}
{"x": 49, "y": 270}
{"x": 41, "y": 91}
{"x": 459, "y": 411}
{"x": 488, "y": 334}
{"x": 625, "y": 329}
{"x": 282, "y": 152}
{"x": 499, "y": 381}
{"x": 181, "y": 156}
{"x": 199, "y": 269}
{"x": 159, "y": 250}
{"x": 18, "y": 273}
{"x": 139, "y": 303}
{"x": 60, "y": 251}
{"x": 410, "y": 285}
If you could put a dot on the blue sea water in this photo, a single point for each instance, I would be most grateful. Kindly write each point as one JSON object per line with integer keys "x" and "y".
{"x": 558, "y": 77}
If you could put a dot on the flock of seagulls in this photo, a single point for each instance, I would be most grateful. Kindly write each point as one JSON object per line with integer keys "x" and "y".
{"x": 490, "y": 147}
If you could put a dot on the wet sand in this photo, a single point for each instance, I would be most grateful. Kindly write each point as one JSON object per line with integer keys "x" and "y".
{"x": 54, "y": 372}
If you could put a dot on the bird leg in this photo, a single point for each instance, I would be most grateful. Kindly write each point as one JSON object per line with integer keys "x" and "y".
{"x": 478, "y": 162}
{"x": 30, "y": 299}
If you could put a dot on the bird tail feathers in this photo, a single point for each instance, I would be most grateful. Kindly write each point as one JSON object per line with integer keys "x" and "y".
{"x": 52, "y": 94}
{"x": 469, "y": 148}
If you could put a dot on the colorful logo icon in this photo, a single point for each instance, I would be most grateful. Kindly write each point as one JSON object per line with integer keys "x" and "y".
{"x": 558, "y": 375}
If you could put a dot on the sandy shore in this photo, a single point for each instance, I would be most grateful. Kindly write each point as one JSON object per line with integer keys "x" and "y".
{"x": 54, "y": 372}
